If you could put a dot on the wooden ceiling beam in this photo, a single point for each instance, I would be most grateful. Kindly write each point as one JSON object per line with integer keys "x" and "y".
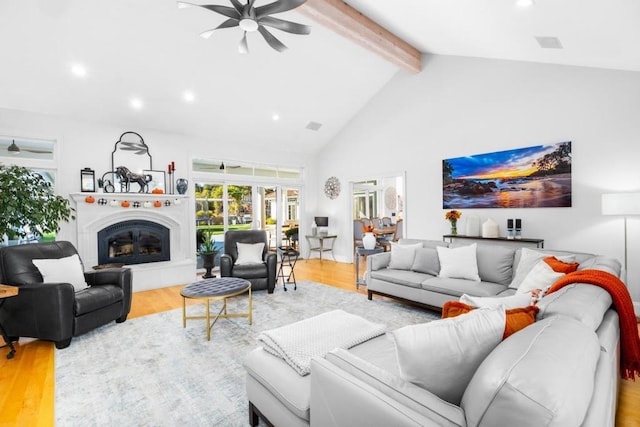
{"x": 348, "y": 22}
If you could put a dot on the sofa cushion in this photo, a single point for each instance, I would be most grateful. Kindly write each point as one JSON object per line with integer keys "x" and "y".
{"x": 561, "y": 266}
{"x": 400, "y": 277}
{"x": 249, "y": 253}
{"x": 426, "y": 261}
{"x": 525, "y": 259}
{"x": 546, "y": 371}
{"x": 457, "y": 287}
{"x": 541, "y": 276}
{"x": 495, "y": 263}
{"x": 508, "y": 301}
{"x": 517, "y": 318}
{"x": 442, "y": 356}
{"x": 95, "y": 298}
{"x": 459, "y": 263}
{"x": 284, "y": 383}
{"x": 402, "y": 255}
{"x": 62, "y": 270}
{"x": 580, "y": 301}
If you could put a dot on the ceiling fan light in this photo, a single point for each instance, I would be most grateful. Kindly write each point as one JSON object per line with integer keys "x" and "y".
{"x": 248, "y": 24}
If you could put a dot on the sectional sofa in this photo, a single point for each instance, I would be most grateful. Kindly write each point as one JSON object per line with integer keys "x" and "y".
{"x": 562, "y": 370}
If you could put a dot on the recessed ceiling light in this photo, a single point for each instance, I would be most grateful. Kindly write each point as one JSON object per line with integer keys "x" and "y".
{"x": 524, "y": 3}
{"x": 79, "y": 70}
{"x": 136, "y": 103}
{"x": 275, "y": 117}
{"x": 189, "y": 96}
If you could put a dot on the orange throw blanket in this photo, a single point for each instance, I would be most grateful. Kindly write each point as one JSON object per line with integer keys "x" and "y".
{"x": 629, "y": 339}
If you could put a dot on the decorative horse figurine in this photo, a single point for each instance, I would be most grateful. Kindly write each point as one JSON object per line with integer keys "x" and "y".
{"x": 127, "y": 177}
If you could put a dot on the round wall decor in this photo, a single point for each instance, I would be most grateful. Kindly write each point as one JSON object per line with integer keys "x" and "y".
{"x": 390, "y": 196}
{"x": 332, "y": 187}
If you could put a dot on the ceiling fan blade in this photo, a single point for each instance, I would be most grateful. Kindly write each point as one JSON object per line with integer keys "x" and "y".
{"x": 227, "y": 11}
{"x": 226, "y": 24}
{"x": 271, "y": 39}
{"x": 243, "y": 47}
{"x": 277, "y": 7}
{"x": 239, "y": 6}
{"x": 288, "y": 26}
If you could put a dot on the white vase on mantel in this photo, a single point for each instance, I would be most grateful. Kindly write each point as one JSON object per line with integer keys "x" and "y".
{"x": 369, "y": 241}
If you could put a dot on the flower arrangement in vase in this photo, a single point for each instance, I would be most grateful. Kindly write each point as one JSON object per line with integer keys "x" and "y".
{"x": 453, "y": 216}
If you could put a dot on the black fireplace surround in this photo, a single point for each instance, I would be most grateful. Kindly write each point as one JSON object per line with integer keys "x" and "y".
{"x": 134, "y": 242}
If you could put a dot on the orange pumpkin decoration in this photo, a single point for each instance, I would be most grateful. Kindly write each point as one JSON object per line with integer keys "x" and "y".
{"x": 157, "y": 204}
{"x": 89, "y": 199}
{"x": 157, "y": 191}
{"x": 125, "y": 204}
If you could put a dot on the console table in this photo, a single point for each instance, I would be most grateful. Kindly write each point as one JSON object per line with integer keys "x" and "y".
{"x": 320, "y": 248}
{"x": 538, "y": 242}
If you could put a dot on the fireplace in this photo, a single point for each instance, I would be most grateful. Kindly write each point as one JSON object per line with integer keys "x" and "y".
{"x": 134, "y": 242}
{"x": 172, "y": 223}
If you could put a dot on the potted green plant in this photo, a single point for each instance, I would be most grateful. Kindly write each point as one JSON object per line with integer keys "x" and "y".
{"x": 208, "y": 252}
{"x": 292, "y": 234}
{"x": 28, "y": 204}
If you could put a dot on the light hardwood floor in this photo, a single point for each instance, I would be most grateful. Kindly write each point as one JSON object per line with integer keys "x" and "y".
{"x": 27, "y": 380}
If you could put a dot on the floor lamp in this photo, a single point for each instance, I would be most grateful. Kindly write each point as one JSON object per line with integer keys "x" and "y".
{"x": 625, "y": 204}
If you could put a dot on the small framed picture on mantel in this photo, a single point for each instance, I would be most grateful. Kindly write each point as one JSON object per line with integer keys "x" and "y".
{"x": 87, "y": 180}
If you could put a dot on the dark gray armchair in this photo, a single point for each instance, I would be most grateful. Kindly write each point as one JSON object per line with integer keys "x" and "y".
{"x": 55, "y": 311}
{"x": 262, "y": 275}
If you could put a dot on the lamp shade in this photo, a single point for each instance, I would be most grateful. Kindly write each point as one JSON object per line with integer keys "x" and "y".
{"x": 621, "y": 204}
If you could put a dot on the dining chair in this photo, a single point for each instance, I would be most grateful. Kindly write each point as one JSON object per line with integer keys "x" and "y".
{"x": 377, "y": 223}
{"x": 397, "y": 235}
{"x": 358, "y": 233}
{"x": 386, "y": 221}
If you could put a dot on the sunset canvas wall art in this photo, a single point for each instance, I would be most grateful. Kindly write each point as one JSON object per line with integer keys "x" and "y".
{"x": 530, "y": 177}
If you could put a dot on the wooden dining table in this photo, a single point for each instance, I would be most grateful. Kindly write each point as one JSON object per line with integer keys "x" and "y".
{"x": 384, "y": 231}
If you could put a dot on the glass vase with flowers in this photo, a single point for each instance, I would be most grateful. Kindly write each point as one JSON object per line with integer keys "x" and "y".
{"x": 453, "y": 216}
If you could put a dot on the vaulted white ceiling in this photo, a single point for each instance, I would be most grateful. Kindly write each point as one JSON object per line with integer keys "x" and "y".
{"x": 151, "y": 49}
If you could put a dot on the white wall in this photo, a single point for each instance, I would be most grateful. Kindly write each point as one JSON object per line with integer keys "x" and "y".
{"x": 86, "y": 144}
{"x": 460, "y": 106}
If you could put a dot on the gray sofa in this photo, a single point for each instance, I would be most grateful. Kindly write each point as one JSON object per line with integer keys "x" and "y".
{"x": 563, "y": 370}
{"x": 496, "y": 266}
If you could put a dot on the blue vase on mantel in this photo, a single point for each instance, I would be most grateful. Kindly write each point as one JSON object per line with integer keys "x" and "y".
{"x": 181, "y": 185}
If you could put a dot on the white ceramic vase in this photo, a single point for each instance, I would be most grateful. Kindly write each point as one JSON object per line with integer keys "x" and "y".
{"x": 369, "y": 241}
{"x": 490, "y": 228}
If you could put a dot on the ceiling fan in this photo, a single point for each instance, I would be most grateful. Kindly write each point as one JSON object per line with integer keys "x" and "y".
{"x": 14, "y": 149}
{"x": 251, "y": 19}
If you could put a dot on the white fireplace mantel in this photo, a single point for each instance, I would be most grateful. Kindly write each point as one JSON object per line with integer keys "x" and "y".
{"x": 173, "y": 213}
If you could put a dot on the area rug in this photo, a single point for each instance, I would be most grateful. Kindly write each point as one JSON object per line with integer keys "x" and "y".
{"x": 150, "y": 371}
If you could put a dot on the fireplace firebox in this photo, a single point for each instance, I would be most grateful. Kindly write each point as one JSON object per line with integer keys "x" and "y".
{"x": 134, "y": 242}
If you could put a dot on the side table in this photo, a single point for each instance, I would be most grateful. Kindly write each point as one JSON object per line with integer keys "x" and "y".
{"x": 361, "y": 251}
{"x": 7, "y": 291}
{"x": 320, "y": 237}
{"x": 288, "y": 258}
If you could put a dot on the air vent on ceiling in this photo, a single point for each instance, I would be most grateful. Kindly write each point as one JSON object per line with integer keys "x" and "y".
{"x": 314, "y": 125}
{"x": 549, "y": 42}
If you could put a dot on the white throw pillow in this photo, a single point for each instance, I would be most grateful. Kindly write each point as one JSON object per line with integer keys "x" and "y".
{"x": 528, "y": 259}
{"x": 512, "y": 301}
{"x": 459, "y": 263}
{"x": 442, "y": 356}
{"x": 402, "y": 256}
{"x": 249, "y": 253}
{"x": 62, "y": 270}
{"x": 541, "y": 276}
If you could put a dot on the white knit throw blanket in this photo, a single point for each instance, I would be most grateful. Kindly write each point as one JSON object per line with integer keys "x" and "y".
{"x": 298, "y": 342}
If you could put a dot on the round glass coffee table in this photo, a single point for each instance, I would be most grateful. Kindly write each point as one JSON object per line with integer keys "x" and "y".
{"x": 215, "y": 289}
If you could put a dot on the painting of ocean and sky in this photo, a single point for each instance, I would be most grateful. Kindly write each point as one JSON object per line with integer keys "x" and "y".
{"x": 530, "y": 177}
